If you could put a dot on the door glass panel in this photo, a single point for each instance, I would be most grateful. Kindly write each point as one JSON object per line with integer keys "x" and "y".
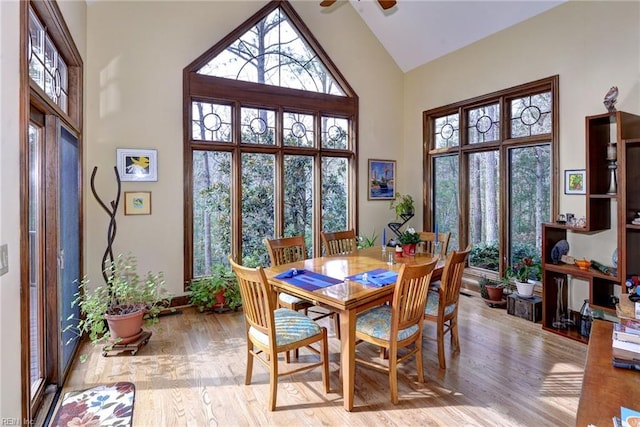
{"x": 484, "y": 222}
{"x": 69, "y": 240}
{"x": 211, "y": 210}
{"x": 446, "y": 188}
{"x": 258, "y": 219}
{"x": 298, "y": 198}
{"x": 36, "y": 333}
{"x": 530, "y": 200}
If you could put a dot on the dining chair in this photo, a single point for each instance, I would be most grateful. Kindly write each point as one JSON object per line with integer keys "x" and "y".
{"x": 284, "y": 251}
{"x": 442, "y": 302}
{"x": 398, "y": 325}
{"x": 339, "y": 242}
{"x": 429, "y": 238}
{"x": 272, "y": 330}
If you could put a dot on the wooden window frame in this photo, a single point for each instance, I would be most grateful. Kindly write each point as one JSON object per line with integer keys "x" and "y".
{"x": 198, "y": 87}
{"x": 549, "y": 84}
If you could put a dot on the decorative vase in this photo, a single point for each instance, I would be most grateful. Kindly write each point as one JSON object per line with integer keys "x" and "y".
{"x": 125, "y": 328}
{"x": 495, "y": 292}
{"x": 525, "y": 289}
{"x": 409, "y": 249}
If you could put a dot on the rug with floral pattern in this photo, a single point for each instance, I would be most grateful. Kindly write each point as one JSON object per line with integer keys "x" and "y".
{"x": 103, "y": 405}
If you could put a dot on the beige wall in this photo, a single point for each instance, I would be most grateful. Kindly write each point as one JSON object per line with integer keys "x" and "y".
{"x": 134, "y": 99}
{"x": 590, "y": 45}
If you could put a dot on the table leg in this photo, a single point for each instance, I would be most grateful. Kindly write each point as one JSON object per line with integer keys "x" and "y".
{"x": 348, "y": 356}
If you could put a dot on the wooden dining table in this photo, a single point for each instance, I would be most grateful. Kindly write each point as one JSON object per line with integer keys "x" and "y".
{"x": 350, "y": 297}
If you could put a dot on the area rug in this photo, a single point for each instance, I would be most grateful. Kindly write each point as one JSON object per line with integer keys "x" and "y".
{"x": 103, "y": 405}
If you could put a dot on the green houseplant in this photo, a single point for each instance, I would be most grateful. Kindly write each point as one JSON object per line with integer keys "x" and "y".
{"x": 491, "y": 290}
{"x": 403, "y": 205}
{"x": 218, "y": 289}
{"x": 525, "y": 273}
{"x": 125, "y": 297}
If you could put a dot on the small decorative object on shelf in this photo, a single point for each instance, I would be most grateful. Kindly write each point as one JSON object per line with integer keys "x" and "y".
{"x": 612, "y": 156}
{"x": 636, "y": 219}
{"x": 559, "y": 249}
{"x": 583, "y": 264}
{"x": 571, "y": 219}
{"x": 610, "y": 99}
{"x": 581, "y": 222}
{"x": 561, "y": 219}
{"x": 561, "y": 320}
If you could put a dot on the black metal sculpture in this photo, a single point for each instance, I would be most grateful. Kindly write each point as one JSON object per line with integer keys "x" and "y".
{"x": 107, "y": 258}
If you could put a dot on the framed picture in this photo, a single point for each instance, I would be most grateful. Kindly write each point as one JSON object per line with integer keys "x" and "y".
{"x": 575, "y": 181}
{"x": 137, "y": 165}
{"x": 381, "y": 184}
{"x": 137, "y": 202}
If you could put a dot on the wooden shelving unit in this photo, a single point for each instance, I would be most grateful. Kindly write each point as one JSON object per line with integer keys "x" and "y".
{"x": 623, "y": 130}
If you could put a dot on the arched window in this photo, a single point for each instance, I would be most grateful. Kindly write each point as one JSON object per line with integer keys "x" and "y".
{"x": 270, "y": 142}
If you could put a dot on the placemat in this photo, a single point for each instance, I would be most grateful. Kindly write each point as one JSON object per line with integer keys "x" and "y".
{"x": 378, "y": 277}
{"x": 306, "y": 279}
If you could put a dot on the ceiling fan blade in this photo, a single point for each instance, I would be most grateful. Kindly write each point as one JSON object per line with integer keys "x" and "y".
{"x": 326, "y": 3}
{"x": 387, "y": 4}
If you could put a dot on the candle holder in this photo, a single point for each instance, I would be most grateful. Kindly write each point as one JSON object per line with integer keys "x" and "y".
{"x": 612, "y": 156}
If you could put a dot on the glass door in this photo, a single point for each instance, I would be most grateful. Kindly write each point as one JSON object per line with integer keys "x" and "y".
{"x": 68, "y": 243}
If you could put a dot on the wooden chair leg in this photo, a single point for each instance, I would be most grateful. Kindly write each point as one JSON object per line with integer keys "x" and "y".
{"x": 455, "y": 341}
{"x": 273, "y": 381}
{"x": 443, "y": 364}
{"x": 418, "y": 356}
{"x": 393, "y": 376}
{"x": 249, "y": 372}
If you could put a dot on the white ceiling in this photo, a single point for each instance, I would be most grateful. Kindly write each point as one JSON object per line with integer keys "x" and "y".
{"x": 415, "y": 32}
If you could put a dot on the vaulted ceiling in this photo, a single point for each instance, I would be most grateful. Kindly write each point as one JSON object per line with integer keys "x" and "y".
{"x": 415, "y": 32}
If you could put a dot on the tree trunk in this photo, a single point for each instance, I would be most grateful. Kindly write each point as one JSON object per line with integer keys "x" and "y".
{"x": 491, "y": 216}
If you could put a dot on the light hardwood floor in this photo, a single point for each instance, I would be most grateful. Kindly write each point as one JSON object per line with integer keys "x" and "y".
{"x": 509, "y": 373}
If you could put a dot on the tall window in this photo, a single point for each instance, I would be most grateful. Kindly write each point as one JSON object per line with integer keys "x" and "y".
{"x": 270, "y": 146}
{"x": 490, "y": 162}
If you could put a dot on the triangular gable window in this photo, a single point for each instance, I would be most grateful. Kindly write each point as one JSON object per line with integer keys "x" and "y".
{"x": 273, "y": 52}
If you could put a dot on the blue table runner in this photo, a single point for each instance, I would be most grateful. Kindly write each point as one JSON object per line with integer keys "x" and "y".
{"x": 378, "y": 277}
{"x": 306, "y": 279}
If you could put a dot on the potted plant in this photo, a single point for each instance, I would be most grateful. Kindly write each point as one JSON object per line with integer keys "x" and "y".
{"x": 403, "y": 205}
{"x": 409, "y": 239}
{"x": 115, "y": 312}
{"x": 365, "y": 241}
{"x": 217, "y": 290}
{"x": 525, "y": 273}
{"x": 491, "y": 290}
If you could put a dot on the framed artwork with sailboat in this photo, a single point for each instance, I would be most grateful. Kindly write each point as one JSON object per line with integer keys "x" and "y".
{"x": 382, "y": 180}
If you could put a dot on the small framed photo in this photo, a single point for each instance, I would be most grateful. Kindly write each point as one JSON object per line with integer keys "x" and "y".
{"x": 137, "y": 202}
{"x": 137, "y": 165}
{"x": 575, "y": 181}
{"x": 381, "y": 183}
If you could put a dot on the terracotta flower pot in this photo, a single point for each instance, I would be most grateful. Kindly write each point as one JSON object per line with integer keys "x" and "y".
{"x": 495, "y": 293}
{"x": 127, "y": 327}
